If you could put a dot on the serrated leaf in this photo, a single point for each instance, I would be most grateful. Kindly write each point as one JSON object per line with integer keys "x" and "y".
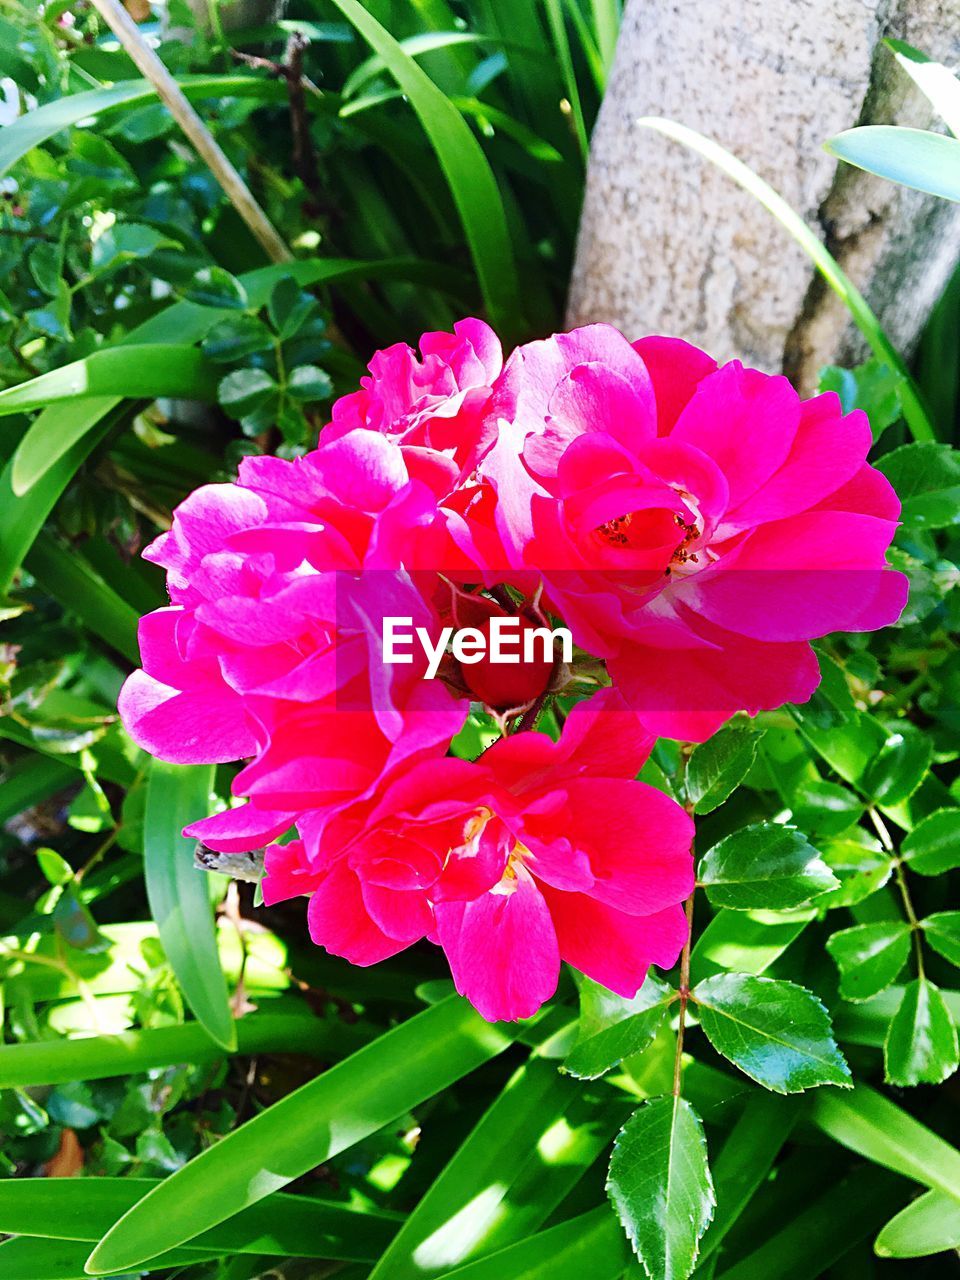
{"x": 942, "y": 931}
{"x": 776, "y": 1032}
{"x": 613, "y": 1027}
{"x": 718, "y": 766}
{"x": 235, "y": 338}
{"x": 933, "y": 846}
{"x": 921, "y": 1045}
{"x": 869, "y": 957}
{"x": 660, "y": 1185}
{"x": 825, "y": 808}
{"x": 928, "y": 1225}
{"x": 766, "y": 865}
{"x": 861, "y": 868}
{"x": 214, "y": 287}
{"x": 307, "y": 383}
{"x": 899, "y": 767}
{"x": 926, "y": 477}
{"x": 245, "y": 391}
{"x": 289, "y": 308}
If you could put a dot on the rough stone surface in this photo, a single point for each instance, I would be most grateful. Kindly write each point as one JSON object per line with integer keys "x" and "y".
{"x": 669, "y": 244}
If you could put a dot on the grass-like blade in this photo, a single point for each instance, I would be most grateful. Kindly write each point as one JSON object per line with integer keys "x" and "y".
{"x": 928, "y": 1225}
{"x": 526, "y": 1152}
{"x": 355, "y": 1098}
{"x": 591, "y": 1245}
{"x": 471, "y": 180}
{"x": 137, "y": 372}
{"x": 178, "y": 892}
{"x": 82, "y": 1209}
{"x": 46, "y": 1062}
{"x": 913, "y": 409}
{"x": 69, "y": 578}
{"x": 820, "y": 1234}
{"x": 875, "y": 1127}
{"x": 936, "y": 82}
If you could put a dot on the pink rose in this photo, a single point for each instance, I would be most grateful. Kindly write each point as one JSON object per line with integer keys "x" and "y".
{"x": 696, "y": 527}
{"x": 433, "y": 405}
{"x": 536, "y": 853}
{"x": 272, "y": 648}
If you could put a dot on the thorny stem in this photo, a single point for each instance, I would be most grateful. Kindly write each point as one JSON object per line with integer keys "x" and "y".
{"x": 881, "y": 829}
{"x": 532, "y": 714}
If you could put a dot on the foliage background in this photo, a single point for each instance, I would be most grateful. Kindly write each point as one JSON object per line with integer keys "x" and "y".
{"x": 152, "y": 1015}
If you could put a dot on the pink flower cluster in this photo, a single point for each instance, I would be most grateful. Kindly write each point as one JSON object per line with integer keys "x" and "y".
{"x": 695, "y": 527}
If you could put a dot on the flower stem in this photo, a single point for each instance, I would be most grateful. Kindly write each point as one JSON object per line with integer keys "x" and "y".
{"x": 684, "y": 997}
{"x": 684, "y": 988}
{"x": 881, "y": 829}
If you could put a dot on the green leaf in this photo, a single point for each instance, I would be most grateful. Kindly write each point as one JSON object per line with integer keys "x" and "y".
{"x": 524, "y": 1155}
{"x": 355, "y": 1098}
{"x": 177, "y": 892}
{"x": 924, "y": 161}
{"x": 776, "y": 1032}
{"x": 589, "y": 1245}
{"x": 68, "y": 576}
{"x": 869, "y": 957}
{"x": 933, "y": 846}
{"x": 872, "y": 386}
{"x": 30, "y": 1258}
{"x": 745, "y": 1161}
{"x": 862, "y": 870}
{"x": 137, "y": 372}
{"x": 289, "y": 308}
{"x": 926, "y": 477}
{"x": 214, "y": 287}
{"x": 746, "y": 941}
{"x": 660, "y": 1185}
{"x": 766, "y": 865}
{"x": 612, "y": 1027}
{"x": 235, "y": 338}
{"x": 471, "y": 180}
{"x": 921, "y": 1045}
{"x": 83, "y": 1209}
{"x": 871, "y": 1125}
{"x": 34, "y": 127}
{"x": 245, "y": 391}
{"x": 44, "y": 1062}
{"x": 819, "y": 1234}
{"x": 939, "y": 85}
{"x": 307, "y": 383}
{"x": 900, "y": 766}
{"x": 942, "y": 931}
{"x": 928, "y": 1225}
{"x": 56, "y": 870}
{"x": 913, "y": 409}
{"x": 125, "y": 242}
{"x": 719, "y": 765}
